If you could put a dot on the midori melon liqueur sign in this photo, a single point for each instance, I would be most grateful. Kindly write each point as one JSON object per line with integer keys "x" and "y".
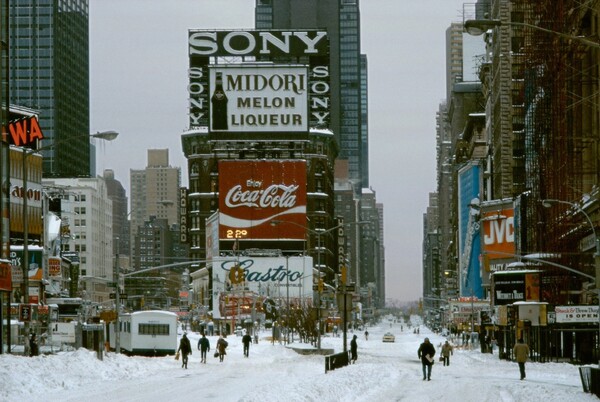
{"x": 261, "y": 98}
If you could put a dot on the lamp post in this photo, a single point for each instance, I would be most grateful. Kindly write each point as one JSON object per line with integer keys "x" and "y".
{"x": 319, "y": 234}
{"x": 478, "y": 27}
{"x": 104, "y": 135}
{"x": 548, "y": 203}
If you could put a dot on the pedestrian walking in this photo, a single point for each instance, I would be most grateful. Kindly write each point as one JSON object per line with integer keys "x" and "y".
{"x": 521, "y": 352}
{"x": 246, "y": 340}
{"x": 366, "y": 335}
{"x": 33, "y": 345}
{"x": 203, "y": 347}
{"x": 221, "y": 346}
{"x": 446, "y": 352}
{"x": 426, "y": 353}
{"x": 186, "y": 349}
{"x": 353, "y": 349}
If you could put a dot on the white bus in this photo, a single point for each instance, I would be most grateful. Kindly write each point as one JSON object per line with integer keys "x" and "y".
{"x": 147, "y": 333}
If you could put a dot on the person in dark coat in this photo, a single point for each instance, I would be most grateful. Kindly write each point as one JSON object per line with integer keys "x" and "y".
{"x": 33, "y": 346}
{"x": 354, "y": 349}
{"x": 246, "y": 340}
{"x": 203, "y": 347}
{"x": 426, "y": 352}
{"x": 221, "y": 346}
{"x": 186, "y": 349}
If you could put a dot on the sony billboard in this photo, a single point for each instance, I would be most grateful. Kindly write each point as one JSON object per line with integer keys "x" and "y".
{"x": 265, "y": 89}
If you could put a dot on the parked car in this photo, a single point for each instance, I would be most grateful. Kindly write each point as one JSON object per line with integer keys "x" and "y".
{"x": 389, "y": 337}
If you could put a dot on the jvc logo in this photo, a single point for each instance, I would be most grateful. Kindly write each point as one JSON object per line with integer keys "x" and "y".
{"x": 500, "y": 231}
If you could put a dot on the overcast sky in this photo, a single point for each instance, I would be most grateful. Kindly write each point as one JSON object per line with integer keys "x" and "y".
{"x": 138, "y": 75}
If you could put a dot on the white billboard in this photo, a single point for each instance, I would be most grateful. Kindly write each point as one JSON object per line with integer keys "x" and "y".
{"x": 242, "y": 294}
{"x": 579, "y": 314}
{"x": 63, "y": 332}
{"x": 258, "y": 98}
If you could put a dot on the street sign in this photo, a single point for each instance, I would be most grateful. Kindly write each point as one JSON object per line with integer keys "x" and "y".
{"x": 112, "y": 295}
{"x": 123, "y": 296}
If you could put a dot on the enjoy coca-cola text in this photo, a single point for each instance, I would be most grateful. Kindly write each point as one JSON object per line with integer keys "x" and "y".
{"x": 274, "y": 196}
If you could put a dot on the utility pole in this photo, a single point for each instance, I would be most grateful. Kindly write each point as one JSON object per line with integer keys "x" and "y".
{"x": 117, "y": 306}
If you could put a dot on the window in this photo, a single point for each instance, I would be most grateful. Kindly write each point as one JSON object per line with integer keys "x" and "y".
{"x": 153, "y": 329}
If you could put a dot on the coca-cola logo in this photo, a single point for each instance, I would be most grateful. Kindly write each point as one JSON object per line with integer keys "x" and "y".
{"x": 274, "y": 196}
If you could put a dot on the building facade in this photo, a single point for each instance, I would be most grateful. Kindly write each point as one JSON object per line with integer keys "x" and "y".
{"x": 86, "y": 206}
{"x": 49, "y": 72}
{"x": 154, "y": 192}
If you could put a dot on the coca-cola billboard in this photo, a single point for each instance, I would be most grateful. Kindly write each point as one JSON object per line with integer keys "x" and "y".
{"x": 253, "y": 193}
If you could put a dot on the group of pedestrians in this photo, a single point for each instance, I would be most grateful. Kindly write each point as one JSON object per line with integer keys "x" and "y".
{"x": 426, "y": 353}
{"x": 185, "y": 348}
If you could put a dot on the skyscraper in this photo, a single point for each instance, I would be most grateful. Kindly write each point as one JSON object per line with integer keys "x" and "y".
{"x": 342, "y": 21}
{"x": 154, "y": 192}
{"x": 49, "y": 72}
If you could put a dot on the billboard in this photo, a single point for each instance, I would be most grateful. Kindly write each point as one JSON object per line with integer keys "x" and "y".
{"x": 253, "y": 193}
{"x": 212, "y": 236}
{"x": 274, "y": 278}
{"x": 258, "y": 92}
{"x": 498, "y": 236}
{"x": 469, "y": 178}
{"x": 258, "y": 98}
{"x": 510, "y": 287}
{"x": 576, "y": 314}
{"x": 5, "y": 276}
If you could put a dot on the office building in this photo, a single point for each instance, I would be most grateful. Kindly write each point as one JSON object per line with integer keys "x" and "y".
{"x": 49, "y": 72}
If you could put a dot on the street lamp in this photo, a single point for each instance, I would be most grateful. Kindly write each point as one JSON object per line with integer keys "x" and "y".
{"x": 105, "y": 135}
{"x": 318, "y": 234}
{"x": 548, "y": 203}
{"x": 479, "y": 27}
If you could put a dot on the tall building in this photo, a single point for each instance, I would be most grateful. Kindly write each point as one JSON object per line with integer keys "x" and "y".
{"x": 49, "y": 72}
{"x": 86, "y": 205}
{"x": 154, "y": 192}
{"x": 342, "y": 21}
{"x": 116, "y": 193}
{"x": 349, "y": 111}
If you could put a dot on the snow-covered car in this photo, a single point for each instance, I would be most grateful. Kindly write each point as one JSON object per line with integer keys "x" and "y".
{"x": 389, "y": 337}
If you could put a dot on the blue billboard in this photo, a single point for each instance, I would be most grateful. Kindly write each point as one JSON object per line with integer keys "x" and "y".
{"x": 469, "y": 179}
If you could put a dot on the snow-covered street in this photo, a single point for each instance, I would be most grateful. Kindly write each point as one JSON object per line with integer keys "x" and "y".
{"x": 383, "y": 372}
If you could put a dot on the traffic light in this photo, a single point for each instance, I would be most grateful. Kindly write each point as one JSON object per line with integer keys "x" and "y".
{"x": 320, "y": 285}
{"x": 344, "y": 274}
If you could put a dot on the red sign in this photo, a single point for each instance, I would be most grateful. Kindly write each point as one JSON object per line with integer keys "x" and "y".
{"x": 25, "y": 131}
{"x": 253, "y": 193}
{"x": 498, "y": 234}
{"x": 5, "y": 276}
{"x": 54, "y": 266}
